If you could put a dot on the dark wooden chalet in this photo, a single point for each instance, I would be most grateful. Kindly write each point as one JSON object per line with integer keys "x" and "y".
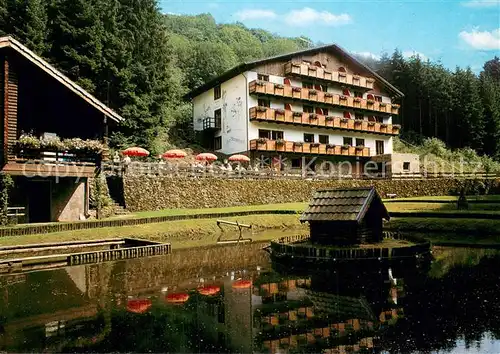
{"x": 345, "y": 216}
{"x": 36, "y": 98}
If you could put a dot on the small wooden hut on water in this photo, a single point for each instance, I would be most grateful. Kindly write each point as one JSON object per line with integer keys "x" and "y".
{"x": 345, "y": 216}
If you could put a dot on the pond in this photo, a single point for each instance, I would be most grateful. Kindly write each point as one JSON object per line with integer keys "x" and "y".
{"x": 232, "y": 299}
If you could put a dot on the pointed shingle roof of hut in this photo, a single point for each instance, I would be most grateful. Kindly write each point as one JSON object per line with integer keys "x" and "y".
{"x": 346, "y": 204}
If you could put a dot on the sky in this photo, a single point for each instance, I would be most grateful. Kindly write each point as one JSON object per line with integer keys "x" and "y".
{"x": 456, "y": 33}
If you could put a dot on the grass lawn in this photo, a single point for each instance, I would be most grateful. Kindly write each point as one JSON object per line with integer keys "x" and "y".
{"x": 442, "y": 207}
{"x": 451, "y": 198}
{"x": 183, "y": 233}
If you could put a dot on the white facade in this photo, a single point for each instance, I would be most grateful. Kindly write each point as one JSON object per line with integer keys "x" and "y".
{"x": 237, "y": 130}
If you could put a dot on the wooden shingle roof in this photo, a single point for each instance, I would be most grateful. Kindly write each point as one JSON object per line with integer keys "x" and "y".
{"x": 342, "y": 205}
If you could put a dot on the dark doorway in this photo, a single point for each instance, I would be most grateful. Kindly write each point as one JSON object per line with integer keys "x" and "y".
{"x": 39, "y": 196}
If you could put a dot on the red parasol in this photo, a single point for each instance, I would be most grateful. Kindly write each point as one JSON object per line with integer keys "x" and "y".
{"x": 209, "y": 290}
{"x": 177, "y": 298}
{"x": 242, "y": 284}
{"x": 239, "y": 158}
{"x": 174, "y": 154}
{"x": 135, "y": 151}
{"x": 206, "y": 156}
{"x": 138, "y": 305}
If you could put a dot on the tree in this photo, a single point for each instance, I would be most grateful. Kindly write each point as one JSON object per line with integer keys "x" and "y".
{"x": 492, "y": 69}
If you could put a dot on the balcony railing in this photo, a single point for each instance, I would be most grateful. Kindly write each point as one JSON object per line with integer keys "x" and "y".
{"x": 319, "y": 120}
{"x": 316, "y": 96}
{"x": 211, "y": 123}
{"x": 308, "y": 148}
{"x": 314, "y": 72}
{"x": 53, "y": 157}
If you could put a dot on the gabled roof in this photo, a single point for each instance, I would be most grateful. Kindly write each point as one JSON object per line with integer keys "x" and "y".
{"x": 252, "y": 64}
{"x": 342, "y": 205}
{"x": 9, "y": 42}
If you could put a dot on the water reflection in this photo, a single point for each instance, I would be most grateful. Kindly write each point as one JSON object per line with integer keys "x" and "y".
{"x": 232, "y": 300}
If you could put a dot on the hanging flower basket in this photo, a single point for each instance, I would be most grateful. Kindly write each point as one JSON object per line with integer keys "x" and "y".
{"x": 345, "y": 146}
{"x": 279, "y": 86}
{"x": 261, "y": 109}
{"x": 280, "y": 142}
{"x": 298, "y": 143}
{"x": 297, "y": 114}
{"x": 262, "y": 140}
{"x": 296, "y": 89}
{"x": 315, "y": 144}
{"x": 357, "y": 99}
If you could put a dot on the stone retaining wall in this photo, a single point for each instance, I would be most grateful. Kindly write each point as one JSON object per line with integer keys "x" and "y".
{"x": 155, "y": 193}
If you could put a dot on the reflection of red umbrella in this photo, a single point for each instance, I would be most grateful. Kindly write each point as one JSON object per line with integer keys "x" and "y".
{"x": 138, "y": 305}
{"x": 206, "y": 156}
{"x": 209, "y": 290}
{"x": 177, "y": 298}
{"x": 174, "y": 154}
{"x": 242, "y": 284}
{"x": 135, "y": 151}
{"x": 239, "y": 158}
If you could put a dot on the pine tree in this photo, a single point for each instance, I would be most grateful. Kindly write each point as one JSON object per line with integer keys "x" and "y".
{"x": 490, "y": 94}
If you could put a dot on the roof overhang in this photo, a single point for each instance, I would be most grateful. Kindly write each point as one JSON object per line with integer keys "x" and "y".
{"x": 9, "y": 42}
{"x": 250, "y": 65}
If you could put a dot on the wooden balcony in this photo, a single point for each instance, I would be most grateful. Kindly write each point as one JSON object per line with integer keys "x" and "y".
{"x": 308, "y": 148}
{"x": 316, "y": 73}
{"x": 265, "y": 88}
{"x": 265, "y": 114}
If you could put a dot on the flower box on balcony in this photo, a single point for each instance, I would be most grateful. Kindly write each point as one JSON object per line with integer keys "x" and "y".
{"x": 296, "y": 92}
{"x": 288, "y": 116}
{"x": 279, "y": 89}
{"x": 355, "y": 77}
{"x": 261, "y": 141}
{"x": 298, "y": 146}
{"x": 328, "y": 98}
{"x": 327, "y": 75}
{"x": 358, "y": 123}
{"x": 369, "y": 82}
{"x": 279, "y": 115}
{"x": 343, "y": 100}
{"x": 350, "y": 123}
{"x": 329, "y": 121}
{"x": 315, "y": 144}
{"x": 395, "y": 108}
{"x": 357, "y": 102}
{"x": 383, "y": 128}
{"x": 357, "y": 99}
{"x": 314, "y": 148}
{"x": 371, "y": 126}
{"x": 370, "y": 102}
{"x": 280, "y": 145}
{"x": 313, "y": 119}
{"x": 344, "y": 149}
{"x": 321, "y": 120}
{"x": 396, "y": 128}
{"x": 260, "y": 87}
{"x": 330, "y": 149}
{"x": 344, "y": 122}
{"x": 260, "y": 112}
{"x": 382, "y": 104}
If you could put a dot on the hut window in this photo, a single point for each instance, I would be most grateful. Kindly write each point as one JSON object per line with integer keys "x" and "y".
{"x": 308, "y": 138}
{"x": 308, "y": 109}
{"x": 324, "y": 139}
{"x": 342, "y": 69}
{"x": 262, "y": 77}
{"x": 217, "y": 92}
{"x": 287, "y": 82}
{"x": 347, "y": 114}
{"x": 218, "y": 143}
{"x": 307, "y": 85}
{"x": 346, "y": 92}
{"x": 218, "y": 116}
{"x": 379, "y": 147}
{"x": 406, "y": 166}
{"x": 347, "y": 141}
{"x": 263, "y": 103}
{"x": 360, "y": 142}
{"x": 288, "y": 107}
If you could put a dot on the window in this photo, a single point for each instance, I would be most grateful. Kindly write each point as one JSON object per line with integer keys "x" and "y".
{"x": 324, "y": 139}
{"x": 322, "y": 111}
{"x": 406, "y": 166}
{"x": 346, "y": 92}
{"x": 358, "y": 94}
{"x": 308, "y": 109}
{"x": 360, "y": 142}
{"x": 347, "y": 114}
{"x": 378, "y": 98}
{"x": 325, "y": 111}
{"x": 287, "y": 82}
{"x": 217, "y": 92}
{"x": 320, "y": 88}
{"x": 370, "y": 97}
{"x": 347, "y": 141}
{"x": 296, "y": 163}
{"x": 262, "y": 77}
{"x": 218, "y": 143}
{"x": 308, "y": 138}
{"x": 218, "y": 118}
{"x": 379, "y": 147}
{"x": 270, "y": 134}
{"x": 379, "y": 119}
{"x": 263, "y": 103}
{"x": 318, "y": 64}
{"x": 342, "y": 69}
{"x": 307, "y": 85}
{"x": 359, "y": 116}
